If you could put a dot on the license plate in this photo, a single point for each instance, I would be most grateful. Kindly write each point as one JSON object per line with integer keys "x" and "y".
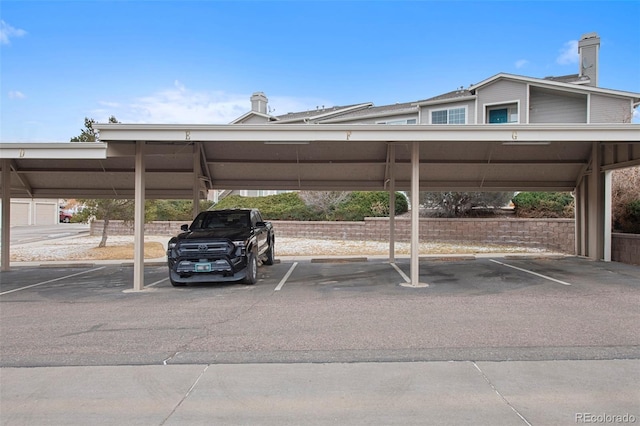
{"x": 202, "y": 267}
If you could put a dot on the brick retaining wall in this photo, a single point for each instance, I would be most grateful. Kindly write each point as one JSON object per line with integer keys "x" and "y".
{"x": 552, "y": 234}
{"x": 625, "y": 248}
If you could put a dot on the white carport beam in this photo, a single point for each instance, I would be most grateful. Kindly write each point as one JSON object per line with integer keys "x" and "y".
{"x": 5, "y": 256}
{"x": 138, "y": 230}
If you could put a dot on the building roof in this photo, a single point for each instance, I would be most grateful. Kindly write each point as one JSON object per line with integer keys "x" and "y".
{"x": 376, "y": 111}
{"x": 320, "y": 113}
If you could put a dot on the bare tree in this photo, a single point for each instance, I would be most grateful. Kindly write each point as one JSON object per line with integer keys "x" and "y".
{"x": 455, "y": 204}
{"x": 324, "y": 201}
{"x": 101, "y": 208}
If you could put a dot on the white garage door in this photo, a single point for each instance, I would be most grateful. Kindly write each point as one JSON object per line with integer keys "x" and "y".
{"x": 46, "y": 214}
{"x": 19, "y": 213}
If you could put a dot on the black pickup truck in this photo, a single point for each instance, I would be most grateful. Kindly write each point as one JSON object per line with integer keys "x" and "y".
{"x": 221, "y": 245}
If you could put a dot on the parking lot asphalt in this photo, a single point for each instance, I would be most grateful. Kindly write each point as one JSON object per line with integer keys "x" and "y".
{"x": 492, "y": 340}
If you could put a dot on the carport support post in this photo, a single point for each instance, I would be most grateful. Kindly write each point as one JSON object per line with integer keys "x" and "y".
{"x": 392, "y": 203}
{"x": 608, "y": 175}
{"x": 138, "y": 229}
{"x": 196, "y": 179}
{"x": 6, "y": 215}
{"x": 415, "y": 213}
{"x": 595, "y": 207}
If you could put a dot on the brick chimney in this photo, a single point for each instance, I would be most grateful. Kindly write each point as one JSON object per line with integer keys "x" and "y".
{"x": 259, "y": 102}
{"x": 589, "y": 50}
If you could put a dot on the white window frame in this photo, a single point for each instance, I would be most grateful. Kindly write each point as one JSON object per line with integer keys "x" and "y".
{"x": 500, "y": 105}
{"x": 449, "y": 108}
{"x": 399, "y": 121}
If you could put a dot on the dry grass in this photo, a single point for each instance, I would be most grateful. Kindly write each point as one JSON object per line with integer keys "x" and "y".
{"x": 152, "y": 250}
{"x": 121, "y": 248}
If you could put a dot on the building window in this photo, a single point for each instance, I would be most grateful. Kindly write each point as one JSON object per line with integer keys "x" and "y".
{"x": 498, "y": 114}
{"x": 404, "y": 121}
{"x": 449, "y": 116}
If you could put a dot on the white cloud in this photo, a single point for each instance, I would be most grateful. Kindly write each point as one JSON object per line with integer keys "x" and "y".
{"x": 110, "y": 104}
{"x": 568, "y": 53}
{"x": 15, "y": 94}
{"x": 7, "y": 32}
{"x": 521, "y": 63}
{"x": 636, "y": 116}
{"x": 181, "y": 105}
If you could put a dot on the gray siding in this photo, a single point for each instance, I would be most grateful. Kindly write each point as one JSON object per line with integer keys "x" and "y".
{"x": 502, "y": 91}
{"x": 608, "y": 109}
{"x": 374, "y": 120}
{"x": 552, "y": 106}
{"x": 425, "y": 111}
{"x": 255, "y": 119}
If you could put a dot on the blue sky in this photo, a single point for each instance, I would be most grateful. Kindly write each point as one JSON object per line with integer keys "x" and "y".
{"x": 200, "y": 61}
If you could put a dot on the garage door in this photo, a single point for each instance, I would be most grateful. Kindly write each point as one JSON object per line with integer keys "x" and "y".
{"x": 46, "y": 214}
{"x": 19, "y": 213}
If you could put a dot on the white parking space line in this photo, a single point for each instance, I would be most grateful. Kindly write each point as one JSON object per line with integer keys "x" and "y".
{"x": 157, "y": 282}
{"x": 402, "y": 274}
{"x": 51, "y": 281}
{"x": 286, "y": 277}
{"x": 531, "y": 272}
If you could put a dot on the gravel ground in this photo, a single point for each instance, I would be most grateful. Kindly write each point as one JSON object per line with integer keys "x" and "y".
{"x": 79, "y": 248}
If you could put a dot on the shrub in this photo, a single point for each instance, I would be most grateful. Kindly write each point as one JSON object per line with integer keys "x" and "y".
{"x": 290, "y": 206}
{"x": 544, "y": 204}
{"x": 629, "y": 220}
{"x": 273, "y": 207}
{"x": 173, "y": 209}
{"x": 361, "y": 204}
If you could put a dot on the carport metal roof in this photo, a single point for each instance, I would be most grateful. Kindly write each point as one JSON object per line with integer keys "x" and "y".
{"x": 316, "y": 157}
{"x": 182, "y": 161}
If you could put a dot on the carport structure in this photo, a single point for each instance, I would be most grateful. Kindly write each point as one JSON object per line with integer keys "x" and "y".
{"x": 154, "y": 161}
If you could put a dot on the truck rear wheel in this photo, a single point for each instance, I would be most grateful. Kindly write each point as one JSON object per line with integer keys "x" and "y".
{"x": 270, "y": 255}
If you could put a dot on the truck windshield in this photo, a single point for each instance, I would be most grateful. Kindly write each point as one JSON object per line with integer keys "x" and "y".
{"x": 221, "y": 219}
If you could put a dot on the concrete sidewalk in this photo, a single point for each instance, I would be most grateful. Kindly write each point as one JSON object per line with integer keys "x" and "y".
{"x": 419, "y": 393}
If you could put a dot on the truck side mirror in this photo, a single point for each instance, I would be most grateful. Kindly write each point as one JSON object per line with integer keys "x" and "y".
{"x": 184, "y": 227}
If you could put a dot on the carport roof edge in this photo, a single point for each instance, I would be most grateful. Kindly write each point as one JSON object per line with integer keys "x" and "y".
{"x": 622, "y": 132}
{"x": 54, "y": 150}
